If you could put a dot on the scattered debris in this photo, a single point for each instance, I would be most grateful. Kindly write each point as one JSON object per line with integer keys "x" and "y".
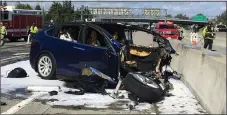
{"x": 17, "y": 73}
{"x": 3, "y": 103}
{"x": 93, "y": 100}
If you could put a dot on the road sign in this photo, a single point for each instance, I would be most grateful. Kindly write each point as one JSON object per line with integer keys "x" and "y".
{"x": 109, "y": 11}
{"x": 200, "y": 18}
{"x": 151, "y": 12}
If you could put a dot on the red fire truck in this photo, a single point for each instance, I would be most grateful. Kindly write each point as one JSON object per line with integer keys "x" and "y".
{"x": 167, "y": 30}
{"x": 18, "y": 21}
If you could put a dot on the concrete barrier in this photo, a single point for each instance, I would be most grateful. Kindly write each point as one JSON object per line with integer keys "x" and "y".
{"x": 205, "y": 76}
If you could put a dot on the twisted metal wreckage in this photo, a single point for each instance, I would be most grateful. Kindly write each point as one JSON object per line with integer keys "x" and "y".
{"x": 144, "y": 71}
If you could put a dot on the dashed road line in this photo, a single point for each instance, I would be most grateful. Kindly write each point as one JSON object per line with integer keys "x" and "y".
{"x": 14, "y": 57}
{"x": 18, "y": 45}
{"x": 16, "y": 54}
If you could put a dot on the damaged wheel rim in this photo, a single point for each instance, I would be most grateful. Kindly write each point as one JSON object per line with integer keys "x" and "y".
{"x": 146, "y": 81}
{"x": 45, "y": 66}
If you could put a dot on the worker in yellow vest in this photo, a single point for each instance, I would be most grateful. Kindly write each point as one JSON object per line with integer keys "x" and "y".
{"x": 3, "y": 33}
{"x": 32, "y": 31}
{"x": 208, "y": 34}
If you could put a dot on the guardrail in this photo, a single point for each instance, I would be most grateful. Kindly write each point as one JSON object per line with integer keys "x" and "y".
{"x": 204, "y": 74}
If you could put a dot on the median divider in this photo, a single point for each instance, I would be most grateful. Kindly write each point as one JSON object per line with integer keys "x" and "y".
{"x": 204, "y": 72}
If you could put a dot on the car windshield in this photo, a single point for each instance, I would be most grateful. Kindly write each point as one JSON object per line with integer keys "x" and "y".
{"x": 165, "y": 26}
{"x": 220, "y": 26}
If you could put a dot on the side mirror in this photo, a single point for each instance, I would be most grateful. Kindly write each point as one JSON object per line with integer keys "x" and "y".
{"x": 116, "y": 45}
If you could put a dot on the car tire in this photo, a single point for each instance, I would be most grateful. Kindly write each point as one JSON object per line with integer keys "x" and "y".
{"x": 46, "y": 61}
{"x": 25, "y": 39}
{"x": 143, "y": 91}
{"x": 13, "y": 39}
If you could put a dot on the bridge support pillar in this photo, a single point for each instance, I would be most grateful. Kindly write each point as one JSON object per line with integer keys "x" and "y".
{"x": 150, "y": 25}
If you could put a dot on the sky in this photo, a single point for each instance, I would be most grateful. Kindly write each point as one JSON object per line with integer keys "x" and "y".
{"x": 210, "y": 9}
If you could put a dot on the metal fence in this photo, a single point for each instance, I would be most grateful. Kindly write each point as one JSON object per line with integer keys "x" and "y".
{"x": 117, "y": 13}
{"x": 121, "y": 13}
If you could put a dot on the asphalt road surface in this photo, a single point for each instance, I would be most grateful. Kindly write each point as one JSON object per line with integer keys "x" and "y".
{"x": 38, "y": 107}
{"x": 11, "y": 50}
{"x": 219, "y": 43}
{"x": 14, "y": 50}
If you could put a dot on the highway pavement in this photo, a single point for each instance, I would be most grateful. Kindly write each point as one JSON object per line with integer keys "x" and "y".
{"x": 13, "y": 52}
{"x": 219, "y": 43}
{"x": 10, "y": 50}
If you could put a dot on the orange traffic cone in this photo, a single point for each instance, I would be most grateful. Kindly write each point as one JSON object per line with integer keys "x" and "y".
{"x": 194, "y": 43}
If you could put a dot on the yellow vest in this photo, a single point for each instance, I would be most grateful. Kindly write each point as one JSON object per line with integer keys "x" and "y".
{"x": 34, "y": 29}
{"x": 3, "y": 30}
{"x": 204, "y": 31}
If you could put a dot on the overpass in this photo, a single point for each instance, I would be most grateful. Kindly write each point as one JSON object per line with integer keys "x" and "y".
{"x": 149, "y": 15}
{"x": 122, "y": 14}
{"x": 149, "y": 20}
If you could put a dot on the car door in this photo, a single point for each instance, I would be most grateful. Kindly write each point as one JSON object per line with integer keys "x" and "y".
{"x": 103, "y": 59}
{"x": 66, "y": 55}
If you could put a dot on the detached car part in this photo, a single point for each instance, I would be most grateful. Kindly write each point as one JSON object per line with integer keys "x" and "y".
{"x": 143, "y": 87}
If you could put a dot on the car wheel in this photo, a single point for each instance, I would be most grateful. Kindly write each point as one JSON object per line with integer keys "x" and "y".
{"x": 13, "y": 39}
{"x": 25, "y": 39}
{"x": 139, "y": 85}
{"x": 46, "y": 67}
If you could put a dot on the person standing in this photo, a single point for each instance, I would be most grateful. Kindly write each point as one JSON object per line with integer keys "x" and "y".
{"x": 209, "y": 35}
{"x": 3, "y": 33}
{"x": 32, "y": 31}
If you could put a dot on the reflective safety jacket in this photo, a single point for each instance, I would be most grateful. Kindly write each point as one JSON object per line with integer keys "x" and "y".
{"x": 34, "y": 29}
{"x": 208, "y": 34}
{"x": 3, "y": 30}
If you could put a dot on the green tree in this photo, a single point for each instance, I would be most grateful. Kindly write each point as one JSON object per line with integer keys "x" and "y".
{"x": 169, "y": 16}
{"x": 37, "y": 7}
{"x": 67, "y": 11}
{"x": 23, "y": 6}
{"x": 54, "y": 13}
{"x": 222, "y": 18}
{"x": 199, "y": 14}
{"x": 182, "y": 16}
{"x": 63, "y": 13}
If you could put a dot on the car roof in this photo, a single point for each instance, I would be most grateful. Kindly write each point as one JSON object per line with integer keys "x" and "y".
{"x": 96, "y": 24}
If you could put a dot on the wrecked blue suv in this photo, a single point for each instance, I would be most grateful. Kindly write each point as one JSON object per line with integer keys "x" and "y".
{"x": 62, "y": 51}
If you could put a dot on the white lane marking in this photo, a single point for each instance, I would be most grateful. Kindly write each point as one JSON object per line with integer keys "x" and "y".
{"x": 12, "y": 46}
{"x": 20, "y": 44}
{"x": 20, "y": 54}
{"x": 23, "y": 103}
{"x": 11, "y": 58}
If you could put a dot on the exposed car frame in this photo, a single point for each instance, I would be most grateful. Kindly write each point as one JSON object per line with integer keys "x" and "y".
{"x": 113, "y": 48}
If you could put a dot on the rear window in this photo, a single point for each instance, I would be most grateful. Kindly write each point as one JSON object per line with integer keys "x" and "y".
{"x": 165, "y": 26}
{"x": 4, "y": 15}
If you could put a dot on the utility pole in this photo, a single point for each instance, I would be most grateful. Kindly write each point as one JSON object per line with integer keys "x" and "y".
{"x": 166, "y": 15}
{"x": 81, "y": 12}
